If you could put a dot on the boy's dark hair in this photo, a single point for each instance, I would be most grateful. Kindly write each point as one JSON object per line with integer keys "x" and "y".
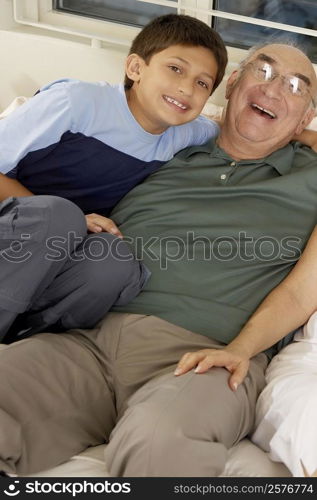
{"x": 177, "y": 29}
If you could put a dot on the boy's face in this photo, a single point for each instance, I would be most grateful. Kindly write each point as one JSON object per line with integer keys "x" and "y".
{"x": 173, "y": 88}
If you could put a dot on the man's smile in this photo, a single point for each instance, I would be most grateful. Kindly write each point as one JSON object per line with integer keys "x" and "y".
{"x": 263, "y": 111}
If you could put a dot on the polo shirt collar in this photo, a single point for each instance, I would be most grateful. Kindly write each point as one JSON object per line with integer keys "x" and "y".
{"x": 281, "y": 160}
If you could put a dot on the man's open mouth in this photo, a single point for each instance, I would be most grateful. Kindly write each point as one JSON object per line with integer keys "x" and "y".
{"x": 262, "y": 111}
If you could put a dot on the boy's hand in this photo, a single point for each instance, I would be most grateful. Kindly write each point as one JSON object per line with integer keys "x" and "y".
{"x": 236, "y": 363}
{"x": 97, "y": 223}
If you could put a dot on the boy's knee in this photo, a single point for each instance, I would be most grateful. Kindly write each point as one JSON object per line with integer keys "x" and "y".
{"x": 42, "y": 216}
{"x": 112, "y": 268}
{"x": 63, "y": 216}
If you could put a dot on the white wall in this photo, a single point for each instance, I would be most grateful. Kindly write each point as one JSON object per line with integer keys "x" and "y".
{"x": 29, "y": 60}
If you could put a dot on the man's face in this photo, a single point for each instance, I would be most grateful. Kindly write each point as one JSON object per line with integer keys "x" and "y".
{"x": 267, "y": 112}
{"x": 172, "y": 88}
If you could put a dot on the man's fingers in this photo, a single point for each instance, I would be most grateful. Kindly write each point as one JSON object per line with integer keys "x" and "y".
{"x": 203, "y": 360}
{"x": 188, "y": 361}
{"x": 238, "y": 375}
{"x": 219, "y": 358}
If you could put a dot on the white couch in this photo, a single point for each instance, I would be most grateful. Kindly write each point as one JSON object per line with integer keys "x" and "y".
{"x": 245, "y": 460}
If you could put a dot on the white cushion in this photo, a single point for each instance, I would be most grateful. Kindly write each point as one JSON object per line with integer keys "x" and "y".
{"x": 287, "y": 407}
{"x": 14, "y": 104}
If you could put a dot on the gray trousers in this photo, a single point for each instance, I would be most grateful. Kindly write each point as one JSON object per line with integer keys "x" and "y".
{"x": 56, "y": 274}
{"x": 62, "y": 393}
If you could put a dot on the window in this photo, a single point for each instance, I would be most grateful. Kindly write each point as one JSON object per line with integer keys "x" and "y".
{"x": 302, "y": 13}
{"x": 121, "y": 11}
{"x": 241, "y": 23}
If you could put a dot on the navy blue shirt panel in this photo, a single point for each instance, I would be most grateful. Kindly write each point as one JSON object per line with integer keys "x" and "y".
{"x": 84, "y": 170}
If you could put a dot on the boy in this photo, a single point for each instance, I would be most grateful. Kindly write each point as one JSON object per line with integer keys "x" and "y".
{"x": 91, "y": 143}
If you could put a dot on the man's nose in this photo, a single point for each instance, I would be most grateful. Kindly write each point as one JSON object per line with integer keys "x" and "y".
{"x": 274, "y": 89}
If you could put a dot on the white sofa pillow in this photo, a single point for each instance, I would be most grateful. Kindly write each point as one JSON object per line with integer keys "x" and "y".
{"x": 14, "y": 104}
{"x": 286, "y": 412}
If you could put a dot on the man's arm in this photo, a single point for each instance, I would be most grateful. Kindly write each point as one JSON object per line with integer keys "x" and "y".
{"x": 308, "y": 137}
{"x": 11, "y": 187}
{"x": 286, "y": 308}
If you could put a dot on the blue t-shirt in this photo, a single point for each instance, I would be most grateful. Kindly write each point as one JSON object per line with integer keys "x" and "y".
{"x": 80, "y": 141}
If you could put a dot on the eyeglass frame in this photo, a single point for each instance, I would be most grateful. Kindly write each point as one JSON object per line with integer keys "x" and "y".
{"x": 275, "y": 74}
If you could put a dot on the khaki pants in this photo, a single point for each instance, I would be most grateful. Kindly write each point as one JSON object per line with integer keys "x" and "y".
{"x": 62, "y": 393}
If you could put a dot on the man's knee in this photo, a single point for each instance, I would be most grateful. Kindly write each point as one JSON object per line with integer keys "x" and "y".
{"x": 149, "y": 442}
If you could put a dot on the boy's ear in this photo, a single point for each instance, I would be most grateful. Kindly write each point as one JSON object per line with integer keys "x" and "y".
{"x": 133, "y": 67}
{"x": 231, "y": 83}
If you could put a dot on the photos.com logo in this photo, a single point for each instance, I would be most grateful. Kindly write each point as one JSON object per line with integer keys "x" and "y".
{"x": 74, "y": 488}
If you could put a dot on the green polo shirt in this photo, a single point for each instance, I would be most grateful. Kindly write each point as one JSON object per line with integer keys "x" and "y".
{"x": 218, "y": 235}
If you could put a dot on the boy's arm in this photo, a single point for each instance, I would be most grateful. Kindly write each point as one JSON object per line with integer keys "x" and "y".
{"x": 308, "y": 137}
{"x": 11, "y": 187}
{"x": 286, "y": 308}
{"x": 35, "y": 125}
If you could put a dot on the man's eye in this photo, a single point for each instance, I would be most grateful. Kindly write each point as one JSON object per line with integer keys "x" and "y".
{"x": 175, "y": 68}
{"x": 296, "y": 86}
{"x": 264, "y": 73}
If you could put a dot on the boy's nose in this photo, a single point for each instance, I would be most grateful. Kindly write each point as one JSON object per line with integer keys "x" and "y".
{"x": 186, "y": 87}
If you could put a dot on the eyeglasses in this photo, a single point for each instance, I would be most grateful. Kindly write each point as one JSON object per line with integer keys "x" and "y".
{"x": 292, "y": 84}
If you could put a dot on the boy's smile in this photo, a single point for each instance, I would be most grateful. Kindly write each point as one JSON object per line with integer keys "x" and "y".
{"x": 172, "y": 88}
{"x": 180, "y": 105}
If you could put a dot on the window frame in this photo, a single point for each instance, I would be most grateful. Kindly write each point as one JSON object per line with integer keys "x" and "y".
{"x": 40, "y": 14}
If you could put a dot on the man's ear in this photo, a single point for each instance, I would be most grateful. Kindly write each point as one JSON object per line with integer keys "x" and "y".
{"x": 231, "y": 83}
{"x": 133, "y": 67}
{"x": 309, "y": 115}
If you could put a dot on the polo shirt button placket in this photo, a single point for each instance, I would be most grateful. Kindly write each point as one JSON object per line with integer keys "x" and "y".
{"x": 225, "y": 177}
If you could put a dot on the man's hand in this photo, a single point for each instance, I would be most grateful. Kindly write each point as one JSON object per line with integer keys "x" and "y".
{"x": 233, "y": 360}
{"x": 97, "y": 223}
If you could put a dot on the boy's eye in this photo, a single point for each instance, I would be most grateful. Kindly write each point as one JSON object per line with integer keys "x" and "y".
{"x": 203, "y": 84}
{"x": 175, "y": 68}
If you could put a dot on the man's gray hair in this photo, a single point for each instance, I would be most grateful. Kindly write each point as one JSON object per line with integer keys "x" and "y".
{"x": 274, "y": 40}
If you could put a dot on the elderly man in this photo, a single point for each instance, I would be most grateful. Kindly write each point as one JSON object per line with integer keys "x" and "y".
{"x": 219, "y": 227}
